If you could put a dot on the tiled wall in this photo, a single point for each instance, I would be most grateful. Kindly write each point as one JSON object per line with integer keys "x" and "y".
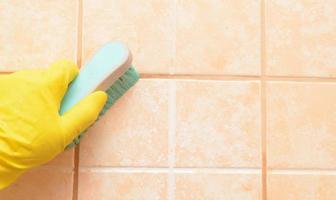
{"x": 236, "y": 101}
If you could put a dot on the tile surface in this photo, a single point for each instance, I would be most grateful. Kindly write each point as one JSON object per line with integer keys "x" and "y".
{"x": 301, "y": 125}
{"x": 122, "y": 186}
{"x": 41, "y": 184}
{"x": 301, "y": 37}
{"x": 297, "y": 187}
{"x": 217, "y": 124}
{"x": 65, "y": 159}
{"x": 133, "y": 132}
{"x": 217, "y": 37}
{"x": 146, "y": 26}
{"x": 34, "y": 34}
{"x": 217, "y": 186}
{"x": 213, "y": 123}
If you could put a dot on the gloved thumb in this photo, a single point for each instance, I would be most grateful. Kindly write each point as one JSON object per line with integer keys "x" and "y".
{"x": 82, "y": 115}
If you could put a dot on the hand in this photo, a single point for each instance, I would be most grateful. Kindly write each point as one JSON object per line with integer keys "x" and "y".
{"x": 31, "y": 130}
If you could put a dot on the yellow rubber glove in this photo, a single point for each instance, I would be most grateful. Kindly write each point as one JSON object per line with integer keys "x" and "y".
{"x": 31, "y": 130}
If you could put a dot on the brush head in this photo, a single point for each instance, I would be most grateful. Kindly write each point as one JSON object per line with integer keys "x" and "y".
{"x": 109, "y": 70}
{"x": 108, "y": 64}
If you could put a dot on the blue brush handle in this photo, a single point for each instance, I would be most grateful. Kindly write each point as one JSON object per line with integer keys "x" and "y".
{"x": 104, "y": 62}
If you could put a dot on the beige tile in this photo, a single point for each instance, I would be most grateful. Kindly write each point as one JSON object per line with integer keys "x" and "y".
{"x": 301, "y": 37}
{"x": 35, "y": 33}
{"x": 218, "y": 124}
{"x": 301, "y": 125}
{"x": 41, "y": 184}
{"x": 301, "y": 187}
{"x": 65, "y": 159}
{"x": 217, "y": 186}
{"x": 122, "y": 186}
{"x": 133, "y": 132}
{"x": 218, "y": 37}
{"x": 146, "y": 26}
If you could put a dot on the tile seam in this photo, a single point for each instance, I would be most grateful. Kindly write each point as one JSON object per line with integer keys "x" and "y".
{"x": 167, "y": 167}
{"x": 190, "y": 76}
{"x": 238, "y": 78}
{"x": 232, "y": 77}
{"x": 298, "y": 171}
{"x": 79, "y": 33}
{"x": 171, "y": 138}
{"x": 300, "y": 79}
{"x": 79, "y": 63}
{"x": 172, "y": 68}
{"x": 172, "y": 110}
{"x": 76, "y": 172}
{"x": 263, "y": 98}
{"x": 168, "y": 170}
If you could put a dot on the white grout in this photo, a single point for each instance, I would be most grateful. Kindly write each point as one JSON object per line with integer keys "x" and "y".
{"x": 172, "y": 68}
{"x": 172, "y": 122}
{"x": 171, "y": 138}
{"x": 171, "y": 185}
{"x": 124, "y": 170}
{"x": 266, "y": 78}
{"x": 330, "y": 172}
{"x": 217, "y": 170}
{"x": 171, "y": 171}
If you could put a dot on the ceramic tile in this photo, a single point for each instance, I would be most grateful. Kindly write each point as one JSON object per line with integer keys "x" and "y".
{"x": 34, "y": 34}
{"x": 146, "y": 26}
{"x": 122, "y": 186}
{"x": 65, "y": 159}
{"x": 218, "y": 37}
{"x": 41, "y": 184}
{"x": 301, "y": 125}
{"x": 133, "y": 132}
{"x": 296, "y": 187}
{"x": 301, "y": 37}
{"x": 217, "y": 186}
{"x": 218, "y": 124}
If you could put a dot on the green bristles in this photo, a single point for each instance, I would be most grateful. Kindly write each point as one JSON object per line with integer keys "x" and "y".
{"x": 118, "y": 89}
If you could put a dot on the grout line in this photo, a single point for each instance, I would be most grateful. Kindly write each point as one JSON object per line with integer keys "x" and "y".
{"x": 188, "y": 170}
{"x": 172, "y": 68}
{"x": 172, "y": 113}
{"x": 171, "y": 138}
{"x": 79, "y": 63}
{"x": 299, "y": 79}
{"x": 263, "y": 63}
{"x": 76, "y": 172}
{"x": 171, "y": 170}
{"x": 331, "y": 172}
{"x": 263, "y": 139}
{"x": 198, "y": 77}
{"x": 230, "y": 77}
{"x": 238, "y": 77}
{"x": 172, "y": 122}
{"x": 79, "y": 33}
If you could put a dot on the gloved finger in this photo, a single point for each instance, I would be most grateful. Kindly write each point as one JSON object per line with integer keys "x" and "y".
{"x": 59, "y": 75}
{"x": 82, "y": 115}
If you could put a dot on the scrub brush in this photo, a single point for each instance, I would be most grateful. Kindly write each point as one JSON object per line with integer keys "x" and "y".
{"x": 109, "y": 70}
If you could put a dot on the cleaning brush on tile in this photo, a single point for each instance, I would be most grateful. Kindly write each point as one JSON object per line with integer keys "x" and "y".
{"x": 109, "y": 70}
